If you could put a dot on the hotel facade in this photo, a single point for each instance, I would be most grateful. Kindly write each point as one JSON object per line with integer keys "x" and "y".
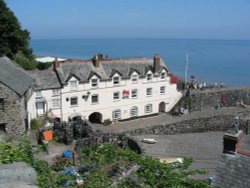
{"x": 103, "y": 89}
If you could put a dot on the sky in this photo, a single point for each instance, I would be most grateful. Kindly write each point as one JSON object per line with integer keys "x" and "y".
{"x": 194, "y": 19}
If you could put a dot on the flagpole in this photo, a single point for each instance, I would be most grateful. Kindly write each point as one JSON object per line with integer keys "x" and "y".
{"x": 186, "y": 70}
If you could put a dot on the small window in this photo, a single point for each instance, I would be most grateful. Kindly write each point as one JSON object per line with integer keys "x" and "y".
{"x": 94, "y": 83}
{"x": 134, "y": 111}
{"x": 73, "y": 101}
{"x": 55, "y": 92}
{"x": 148, "y": 108}
{"x": 134, "y": 79}
{"x": 162, "y": 90}
{"x": 55, "y": 103}
{"x": 116, "y": 95}
{"x": 149, "y": 77}
{"x": 38, "y": 94}
{"x": 116, "y": 80}
{"x": 163, "y": 75}
{"x": 1, "y": 105}
{"x": 94, "y": 99}
{"x": 134, "y": 94}
{"x": 149, "y": 92}
{"x": 73, "y": 85}
{"x": 116, "y": 114}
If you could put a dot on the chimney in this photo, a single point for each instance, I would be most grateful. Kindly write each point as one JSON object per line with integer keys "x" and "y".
{"x": 56, "y": 64}
{"x": 157, "y": 63}
{"x": 96, "y": 61}
{"x": 232, "y": 138}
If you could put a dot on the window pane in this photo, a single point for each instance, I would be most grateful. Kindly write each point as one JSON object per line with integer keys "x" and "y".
{"x": 94, "y": 99}
{"x": 55, "y": 92}
{"x": 149, "y": 92}
{"x": 162, "y": 89}
{"x": 134, "y": 93}
{"x": 55, "y": 103}
{"x": 116, "y": 95}
{"x": 116, "y": 114}
{"x": 94, "y": 82}
{"x": 163, "y": 75}
{"x": 134, "y": 111}
{"x": 148, "y": 108}
{"x": 116, "y": 80}
{"x": 134, "y": 78}
{"x": 73, "y": 101}
{"x": 149, "y": 77}
{"x": 72, "y": 85}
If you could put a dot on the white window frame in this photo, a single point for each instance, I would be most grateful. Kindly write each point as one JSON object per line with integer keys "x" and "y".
{"x": 162, "y": 90}
{"x": 116, "y": 96}
{"x": 148, "y": 108}
{"x": 116, "y": 114}
{"x": 72, "y": 85}
{"x": 134, "y": 93}
{"x": 96, "y": 101}
{"x": 94, "y": 82}
{"x": 149, "y": 92}
{"x": 149, "y": 77}
{"x": 134, "y": 111}
{"x": 56, "y": 103}
{"x": 163, "y": 75}
{"x": 39, "y": 94}
{"x": 134, "y": 79}
{"x": 116, "y": 80}
{"x": 73, "y": 98}
{"x": 55, "y": 92}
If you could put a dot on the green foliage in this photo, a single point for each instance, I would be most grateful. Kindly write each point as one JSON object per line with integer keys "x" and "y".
{"x": 42, "y": 66}
{"x": 14, "y": 39}
{"x": 24, "y": 62}
{"x": 35, "y": 124}
{"x": 102, "y": 159}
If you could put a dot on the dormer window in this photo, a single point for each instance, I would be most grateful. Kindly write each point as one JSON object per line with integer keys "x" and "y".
{"x": 163, "y": 75}
{"x": 134, "y": 79}
{"x": 94, "y": 82}
{"x": 116, "y": 80}
{"x": 38, "y": 94}
{"x": 73, "y": 85}
{"x": 149, "y": 77}
{"x": 55, "y": 92}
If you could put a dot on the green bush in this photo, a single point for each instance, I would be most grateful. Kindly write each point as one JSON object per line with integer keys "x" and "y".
{"x": 24, "y": 62}
{"x": 35, "y": 124}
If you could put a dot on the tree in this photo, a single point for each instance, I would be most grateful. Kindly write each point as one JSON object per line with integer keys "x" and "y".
{"x": 13, "y": 39}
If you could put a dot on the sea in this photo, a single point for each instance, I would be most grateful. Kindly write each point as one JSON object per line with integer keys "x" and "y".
{"x": 210, "y": 61}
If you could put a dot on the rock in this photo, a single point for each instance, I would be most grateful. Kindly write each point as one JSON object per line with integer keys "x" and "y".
{"x": 17, "y": 174}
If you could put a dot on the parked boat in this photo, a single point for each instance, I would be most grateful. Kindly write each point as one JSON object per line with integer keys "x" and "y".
{"x": 149, "y": 140}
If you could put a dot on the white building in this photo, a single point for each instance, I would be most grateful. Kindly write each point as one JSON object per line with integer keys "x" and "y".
{"x": 100, "y": 89}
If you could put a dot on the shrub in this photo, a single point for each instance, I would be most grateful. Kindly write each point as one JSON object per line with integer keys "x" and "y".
{"x": 35, "y": 124}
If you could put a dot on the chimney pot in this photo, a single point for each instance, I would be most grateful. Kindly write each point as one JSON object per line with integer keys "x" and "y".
{"x": 157, "y": 63}
{"x": 96, "y": 61}
{"x": 56, "y": 64}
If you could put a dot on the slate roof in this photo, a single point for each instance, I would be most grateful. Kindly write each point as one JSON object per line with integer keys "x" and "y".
{"x": 14, "y": 77}
{"x": 45, "y": 79}
{"x": 233, "y": 171}
{"x": 83, "y": 69}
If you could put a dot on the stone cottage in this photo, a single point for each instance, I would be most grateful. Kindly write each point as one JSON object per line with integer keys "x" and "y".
{"x": 15, "y": 90}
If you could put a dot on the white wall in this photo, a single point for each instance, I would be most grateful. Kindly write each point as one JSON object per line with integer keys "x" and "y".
{"x": 106, "y": 104}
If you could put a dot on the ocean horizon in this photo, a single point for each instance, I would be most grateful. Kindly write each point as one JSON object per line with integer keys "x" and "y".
{"x": 210, "y": 60}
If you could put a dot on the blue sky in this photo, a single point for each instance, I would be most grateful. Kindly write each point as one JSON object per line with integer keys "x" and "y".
{"x": 206, "y": 19}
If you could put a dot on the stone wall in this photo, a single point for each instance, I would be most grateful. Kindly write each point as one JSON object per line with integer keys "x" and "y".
{"x": 224, "y": 97}
{"x": 14, "y": 113}
{"x": 220, "y": 122}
